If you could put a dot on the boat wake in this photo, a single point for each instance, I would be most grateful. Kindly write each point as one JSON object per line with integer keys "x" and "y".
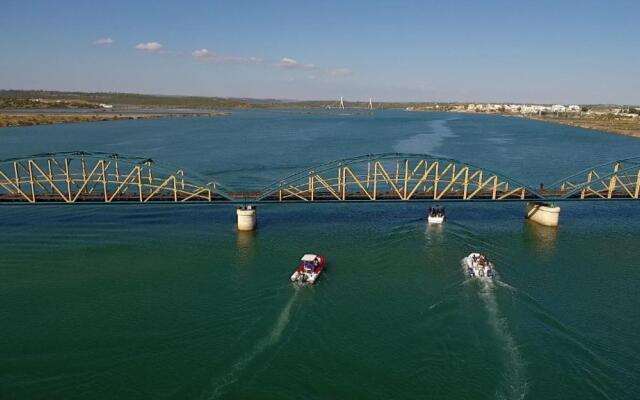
{"x": 516, "y": 385}
{"x": 447, "y": 292}
{"x": 269, "y": 340}
{"x": 596, "y": 371}
{"x": 438, "y": 131}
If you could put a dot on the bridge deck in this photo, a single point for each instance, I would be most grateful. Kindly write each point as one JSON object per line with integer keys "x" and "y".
{"x": 133, "y": 197}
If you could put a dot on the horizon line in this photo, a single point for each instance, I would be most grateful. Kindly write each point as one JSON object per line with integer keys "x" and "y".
{"x": 337, "y": 99}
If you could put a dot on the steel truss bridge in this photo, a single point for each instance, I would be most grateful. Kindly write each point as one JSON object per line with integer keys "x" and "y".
{"x": 80, "y": 177}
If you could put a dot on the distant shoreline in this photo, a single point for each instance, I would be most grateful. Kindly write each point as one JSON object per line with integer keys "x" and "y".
{"x": 616, "y": 127}
{"x": 32, "y": 117}
{"x": 607, "y": 124}
{"x": 38, "y": 107}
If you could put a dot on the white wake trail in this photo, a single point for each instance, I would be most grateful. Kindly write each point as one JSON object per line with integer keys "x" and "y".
{"x": 269, "y": 340}
{"x": 517, "y": 386}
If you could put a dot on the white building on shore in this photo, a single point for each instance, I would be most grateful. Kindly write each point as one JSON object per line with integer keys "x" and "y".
{"x": 521, "y": 108}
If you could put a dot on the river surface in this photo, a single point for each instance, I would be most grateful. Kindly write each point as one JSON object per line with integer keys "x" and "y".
{"x": 168, "y": 301}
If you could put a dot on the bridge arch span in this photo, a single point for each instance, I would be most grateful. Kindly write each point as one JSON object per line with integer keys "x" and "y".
{"x": 618, "y": 179}
{"x": 396, "y": 176}
{"x": 79, "y": 176}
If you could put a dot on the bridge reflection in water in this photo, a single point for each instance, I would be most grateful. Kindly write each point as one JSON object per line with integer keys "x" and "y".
{"x": 76, "y": 177}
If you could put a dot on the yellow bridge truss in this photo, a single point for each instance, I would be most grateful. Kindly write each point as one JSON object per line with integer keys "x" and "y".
{"x": 97, "y": 177}
{"x": 395, "y": 176}
{"x": 100, "y": 177}
{"x": 613, "y": 180}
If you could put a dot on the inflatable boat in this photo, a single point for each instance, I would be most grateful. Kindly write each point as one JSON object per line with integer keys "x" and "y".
{"x": 479, "y": 266}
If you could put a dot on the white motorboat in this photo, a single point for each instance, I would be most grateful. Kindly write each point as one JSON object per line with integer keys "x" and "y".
{"x": 479, "y": 266}
{"x": 309, "y": 269}
{"x": 435, "y": 215}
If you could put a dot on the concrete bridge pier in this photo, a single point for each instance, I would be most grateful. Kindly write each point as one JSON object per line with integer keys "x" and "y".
{"x": 543, "y": 213}
{"x": 246, "y": 218}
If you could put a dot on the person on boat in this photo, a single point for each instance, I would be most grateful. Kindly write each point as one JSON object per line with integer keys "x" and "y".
{"x": 308, "y": 267}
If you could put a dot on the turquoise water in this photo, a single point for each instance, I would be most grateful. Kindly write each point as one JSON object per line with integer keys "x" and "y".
{"x": 162, "y": 301}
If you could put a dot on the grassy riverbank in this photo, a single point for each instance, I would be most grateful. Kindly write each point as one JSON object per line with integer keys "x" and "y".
{"x": 30, "y": 119}
{"x": 605, "y": 123}
{"x": 604, "y": 118}
{"x": 7, "y": 120}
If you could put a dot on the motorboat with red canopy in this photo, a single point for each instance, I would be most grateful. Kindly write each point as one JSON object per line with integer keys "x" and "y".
{"x": 310, "y": 268}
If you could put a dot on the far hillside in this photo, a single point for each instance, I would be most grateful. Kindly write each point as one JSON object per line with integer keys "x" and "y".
{"x": 51, "y": 99}
{"x": 30, "y": 98}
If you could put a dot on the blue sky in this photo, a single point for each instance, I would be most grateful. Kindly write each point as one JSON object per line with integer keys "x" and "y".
{"x": 524, "y": 51}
